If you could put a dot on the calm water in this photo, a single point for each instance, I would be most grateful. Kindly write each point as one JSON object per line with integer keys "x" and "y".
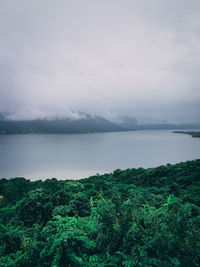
{"x": 81, "y": 155}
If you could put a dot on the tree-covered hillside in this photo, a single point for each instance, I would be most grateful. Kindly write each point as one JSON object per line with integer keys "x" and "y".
{"x": 137, "y": 217}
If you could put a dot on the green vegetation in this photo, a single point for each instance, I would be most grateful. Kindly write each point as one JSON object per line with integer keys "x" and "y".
{"x": 137, "y": 217}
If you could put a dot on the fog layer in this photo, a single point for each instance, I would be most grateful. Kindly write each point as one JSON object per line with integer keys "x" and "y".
{"x": 139, "y": 58}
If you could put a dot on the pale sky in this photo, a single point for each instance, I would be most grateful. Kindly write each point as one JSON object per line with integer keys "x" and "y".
{"x": 108, "y": 57}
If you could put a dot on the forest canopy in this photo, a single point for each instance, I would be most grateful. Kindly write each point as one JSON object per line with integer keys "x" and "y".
{"x": 133, "y": 217}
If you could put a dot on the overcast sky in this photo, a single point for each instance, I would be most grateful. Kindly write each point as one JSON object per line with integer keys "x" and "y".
{"x": 108, "y": 57}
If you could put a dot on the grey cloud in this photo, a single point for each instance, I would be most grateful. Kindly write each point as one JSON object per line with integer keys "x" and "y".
{"x": 103, "y": 57}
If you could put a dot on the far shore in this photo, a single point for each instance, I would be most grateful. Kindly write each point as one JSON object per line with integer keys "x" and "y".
{"x": 192, "y": 133}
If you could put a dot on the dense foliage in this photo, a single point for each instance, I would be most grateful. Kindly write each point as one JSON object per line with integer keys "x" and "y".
{"x": 136, "y": 217}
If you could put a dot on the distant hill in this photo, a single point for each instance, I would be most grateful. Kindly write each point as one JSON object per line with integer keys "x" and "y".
{"x": 85, "y": 124}
{"x": 89, "y": 124}
{"x": 126, "y": 122}
{"x": 131, "y": 124}
{"x": 167, "y": 126}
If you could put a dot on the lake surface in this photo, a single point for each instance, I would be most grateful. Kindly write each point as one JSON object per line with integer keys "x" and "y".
{"x": 75, "y": 156}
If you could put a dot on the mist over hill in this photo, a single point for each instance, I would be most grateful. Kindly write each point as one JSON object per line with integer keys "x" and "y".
{"x": 87, "y": 124}
{"x": 83, "y": 123}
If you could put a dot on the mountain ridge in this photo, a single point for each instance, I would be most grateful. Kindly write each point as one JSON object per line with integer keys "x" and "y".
{"x": 85, "y": 124}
